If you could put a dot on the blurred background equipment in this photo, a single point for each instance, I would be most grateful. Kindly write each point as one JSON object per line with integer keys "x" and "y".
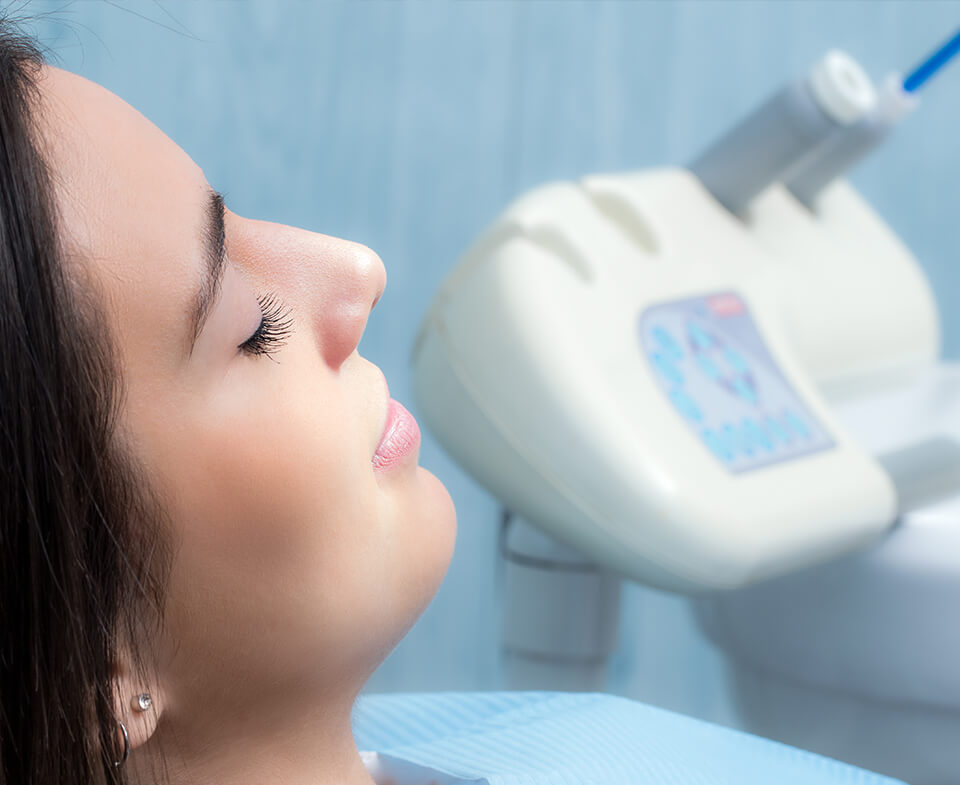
{"x": 703, "y": 381}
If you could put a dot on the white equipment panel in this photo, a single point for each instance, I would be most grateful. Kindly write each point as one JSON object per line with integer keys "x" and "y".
{"x": 713, "y": 365}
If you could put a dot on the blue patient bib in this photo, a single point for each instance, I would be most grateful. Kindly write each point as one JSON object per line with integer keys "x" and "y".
{"x": 557, "y": 738}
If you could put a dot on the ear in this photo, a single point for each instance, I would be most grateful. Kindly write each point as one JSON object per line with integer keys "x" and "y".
{"x": 140, "y": 722}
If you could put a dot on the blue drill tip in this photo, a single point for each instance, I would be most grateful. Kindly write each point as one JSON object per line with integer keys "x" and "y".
{"x": 932, "y": 64}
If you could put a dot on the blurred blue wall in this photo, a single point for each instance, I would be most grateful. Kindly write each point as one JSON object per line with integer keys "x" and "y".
{"x": 408, "y": 126}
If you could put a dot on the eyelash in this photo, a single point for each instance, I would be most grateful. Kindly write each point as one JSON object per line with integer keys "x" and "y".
{"x": 274, "y": 330}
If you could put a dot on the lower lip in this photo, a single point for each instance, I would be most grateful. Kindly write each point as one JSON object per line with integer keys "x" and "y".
{"x": 400, "y": 440}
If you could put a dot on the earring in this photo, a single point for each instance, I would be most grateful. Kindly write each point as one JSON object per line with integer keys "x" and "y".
{"x": 126, "y": 747}
{"x": 143, "y": 701}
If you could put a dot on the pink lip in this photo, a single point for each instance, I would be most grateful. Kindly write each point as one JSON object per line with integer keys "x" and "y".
{"x": 400, "y": 438}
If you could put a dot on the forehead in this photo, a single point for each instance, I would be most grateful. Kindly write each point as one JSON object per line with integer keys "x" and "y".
{"x": 131, "y": 204}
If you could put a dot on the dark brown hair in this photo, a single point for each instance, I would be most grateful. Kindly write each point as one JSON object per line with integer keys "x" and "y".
{"x": 83, "y": 557}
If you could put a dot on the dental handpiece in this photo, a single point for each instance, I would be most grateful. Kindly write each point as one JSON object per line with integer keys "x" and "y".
{"x": 843, "y": 149}
{"x": 795, "y": 120}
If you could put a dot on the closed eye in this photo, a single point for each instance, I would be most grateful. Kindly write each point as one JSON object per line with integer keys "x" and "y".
{"x": 274, "y": 329}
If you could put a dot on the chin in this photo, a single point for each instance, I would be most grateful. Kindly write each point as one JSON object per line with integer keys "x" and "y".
{"x": 439, "y": 520}
{"x": 445, "y": 513}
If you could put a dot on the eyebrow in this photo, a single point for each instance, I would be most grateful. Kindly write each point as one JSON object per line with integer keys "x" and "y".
{"x": 214, "y": 252}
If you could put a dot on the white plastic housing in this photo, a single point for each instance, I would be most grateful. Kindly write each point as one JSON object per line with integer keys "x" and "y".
{"x": 857, "y": 659}
{"x": 529, "y": 370}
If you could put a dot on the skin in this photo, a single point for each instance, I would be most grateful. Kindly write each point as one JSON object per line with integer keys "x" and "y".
{"x": 298, "y": 565}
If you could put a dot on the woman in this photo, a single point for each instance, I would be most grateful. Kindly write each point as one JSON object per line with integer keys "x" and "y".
{"x": 213, "y": 527}
{"x": 206, "y": 546}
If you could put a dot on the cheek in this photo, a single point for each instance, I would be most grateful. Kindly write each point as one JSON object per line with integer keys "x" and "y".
{"x": 284, "y": 527}
{"x": 276, "y": 484}
{"x": 266, "y": 499}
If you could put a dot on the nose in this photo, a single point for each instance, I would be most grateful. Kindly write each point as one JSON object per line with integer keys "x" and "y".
{"x": 333, "y": 283}
{"x": 352, "y": 285}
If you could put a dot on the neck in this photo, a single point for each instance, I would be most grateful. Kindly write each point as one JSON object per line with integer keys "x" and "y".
{"x": 309, "y": 746}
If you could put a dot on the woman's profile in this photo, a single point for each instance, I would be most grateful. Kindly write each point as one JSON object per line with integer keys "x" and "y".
{"x": 213, "y": 524}
{"x": 206, "y": 548}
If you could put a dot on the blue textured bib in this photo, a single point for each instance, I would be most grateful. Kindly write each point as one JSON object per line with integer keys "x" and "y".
{"x": 556, "y": 738}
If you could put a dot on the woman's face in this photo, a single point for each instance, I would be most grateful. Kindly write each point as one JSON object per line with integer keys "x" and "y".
{"x": 299, "y": 564}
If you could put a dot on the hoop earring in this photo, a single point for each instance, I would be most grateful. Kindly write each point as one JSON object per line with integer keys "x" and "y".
{"x": 126, "y": 746}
